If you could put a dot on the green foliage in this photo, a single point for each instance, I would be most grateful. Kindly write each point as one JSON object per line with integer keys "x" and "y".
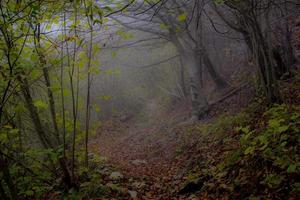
{"x": 276, "y": 140}
{"x": 224, "y": 123}
{"x": 268, "y": 146}
{"x": 124, "y": 35}
{"x": 164, "y": 26}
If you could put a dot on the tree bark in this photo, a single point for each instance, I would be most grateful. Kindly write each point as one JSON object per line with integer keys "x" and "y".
{"x": 46, "y": 142}
{"x": 2, "y": 192}
{"x": 189, "y": 59}
{"x": 182, "y": 76}
{"x": 219, "y": 81}
{"x": 199, "y": 102}
{"x": 42, "y": 62}
{"x": 7, "y": 177}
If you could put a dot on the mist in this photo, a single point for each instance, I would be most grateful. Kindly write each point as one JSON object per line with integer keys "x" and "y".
{"x": 149, "y": 99}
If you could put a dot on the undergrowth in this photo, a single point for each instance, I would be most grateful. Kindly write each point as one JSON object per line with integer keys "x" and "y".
{"x": 264, "y": 158}
{"x": 255, "y": 153}
{"x": 267, "y": 162}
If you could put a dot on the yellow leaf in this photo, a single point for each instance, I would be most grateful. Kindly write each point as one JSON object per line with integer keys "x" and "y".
{"x": 182, "y": 17}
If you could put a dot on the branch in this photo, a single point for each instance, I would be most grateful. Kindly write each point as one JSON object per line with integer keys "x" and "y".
{"x": 158, "y": 63}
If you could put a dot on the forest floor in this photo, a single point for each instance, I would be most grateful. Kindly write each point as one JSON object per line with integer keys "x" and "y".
{"x": 155, "y": 156}
{"x": 164, "y": 156}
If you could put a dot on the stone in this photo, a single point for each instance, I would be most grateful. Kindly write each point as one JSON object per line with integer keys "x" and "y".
{"x": 139, "y": 162}
{"x": 139, "y": 185}
{"x": 193, "y": 197}
{"x": 116, "y": 176}
{"x": 133, "y": 194}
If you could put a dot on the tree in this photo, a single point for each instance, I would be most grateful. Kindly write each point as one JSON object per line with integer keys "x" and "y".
{"x": 253, "y": 22}
{"x": 176, "y": 22}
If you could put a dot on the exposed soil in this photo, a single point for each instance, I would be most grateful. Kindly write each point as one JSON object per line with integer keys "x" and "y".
{"x": 149, "y": 153}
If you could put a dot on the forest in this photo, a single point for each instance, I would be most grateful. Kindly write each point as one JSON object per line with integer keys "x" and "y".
{"x": 149, "y": 99}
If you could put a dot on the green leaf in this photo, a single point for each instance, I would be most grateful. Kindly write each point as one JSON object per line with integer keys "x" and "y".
{"x": 292, "y": 168}
{"x": 106, "y": 97}
{"x": 40, "y": 104}
{"x": 97, "y": 108}
{"x": 249, "y": 150}
{"x": 282, "y": 129}
{"x": 273, "y": 180}
{"x": 182, "y": 17}
{"x": 114, "y": 54}
{"x": 274, "y": 123}
{"x": 164, "y": 26}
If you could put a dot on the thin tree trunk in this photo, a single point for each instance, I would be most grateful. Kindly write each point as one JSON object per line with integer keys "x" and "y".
{"x": 2, "y": 192}
{"x": 51, "y": 103}
{"x": 88, "y": 106}
{"x": 45, "y": 140}
{"x": 62, "y": 87}
{"x": 34, "y": 114}
{"x": 182, "y": 77}
{"x": 7, "y": 177}
{"x": 73, "y": 92}
{"x": 51, "y": 100}
{"x": 289, "y": 56}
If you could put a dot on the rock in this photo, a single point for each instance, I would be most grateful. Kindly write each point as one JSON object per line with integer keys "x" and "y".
{"x": 104, "y": 171}
{"x": 116, "y": 176}
{"x": 192, "y": 186}
{"x": 139, "y": 185}
{"x": 116, "y": 188}
{"x": 91, "y": 156}
{"x": 139, "y": 162}
{"x": 133, "y": 194}
{"x": 124, "y": 118}
{"x": 193, "y": 197}
{"x": 178, "y": 176}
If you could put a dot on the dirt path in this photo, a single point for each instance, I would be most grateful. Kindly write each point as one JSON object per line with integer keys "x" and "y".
{"x": 142, "y": 153}
{"x": 146, "y": 151}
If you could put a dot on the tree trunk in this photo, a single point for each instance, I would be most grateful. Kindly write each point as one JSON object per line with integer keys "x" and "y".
{"x": 199, "y": 102}
{"x": 189, "y": 59}
{"x": 219, "y": 81}
{"x": 289, "y": 57}
{"x": 263, "y": 55}
{"x": 42, "y": 62}
{"x": 2, "y": 192}
{"x": 7, "y": 177}
{"x": 182, "y": 77}
{"x": 51, "y": 103}
{"x": 34, "y": 114}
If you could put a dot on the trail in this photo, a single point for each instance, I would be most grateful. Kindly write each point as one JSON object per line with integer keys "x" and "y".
{"x": 144, "y": 152}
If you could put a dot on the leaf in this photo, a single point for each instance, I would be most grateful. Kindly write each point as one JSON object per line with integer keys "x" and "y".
{"x": 97, "y": 108}
{"x": 273, "y": 180}
{"x": 106, "y": 97}
{"x": 282, "y": 129}
{"x": 292, "y": 168}
{"x": 35, "y": 74}
{"x": 182, "y": 17}
{"x": 164, "y": 26}
{"x": 249, "y": 150}
{"x": 40, "y": 104}
{"x": 114, "y": 54}
{"x": 29, "y": 193}
{"x": 3, "y": 138}
{"x": 274, "y": 123}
